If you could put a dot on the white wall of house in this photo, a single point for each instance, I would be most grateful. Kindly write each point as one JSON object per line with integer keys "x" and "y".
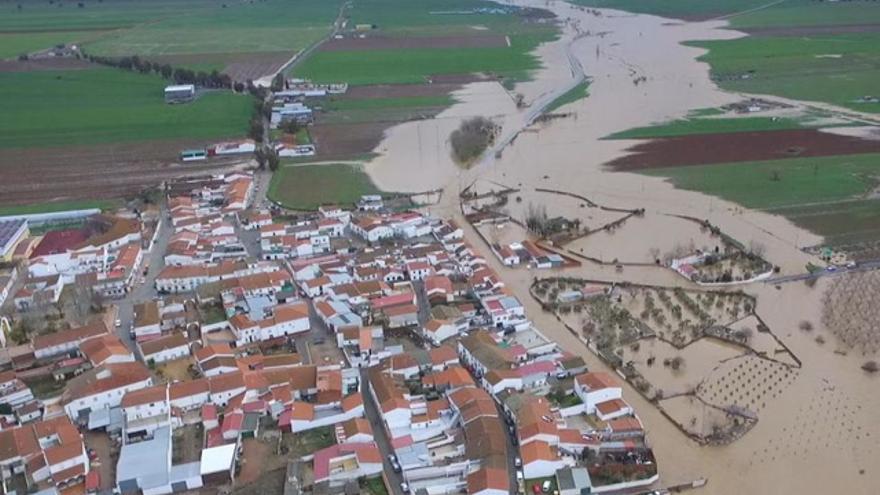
{"x": 168, "y": 354}
{"x": 103, "y": 400}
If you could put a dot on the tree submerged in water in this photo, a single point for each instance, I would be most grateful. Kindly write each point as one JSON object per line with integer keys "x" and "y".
{"x": 472, "y": 138}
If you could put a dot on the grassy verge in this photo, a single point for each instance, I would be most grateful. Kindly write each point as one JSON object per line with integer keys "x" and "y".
{"x": 570, "y": 96}
{"x": 54, "y": 207}
{"x": 305, "y": 187}
{"x": 106, "y": 105}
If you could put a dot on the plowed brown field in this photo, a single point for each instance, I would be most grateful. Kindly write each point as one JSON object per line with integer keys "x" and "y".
{"x": 740, "y": 147}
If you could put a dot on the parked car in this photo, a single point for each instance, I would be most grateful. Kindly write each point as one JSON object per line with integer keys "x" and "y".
{"x": 118, "y": 323}
{"x": 536, "y": 488}
{"x": 517, "y": 462}
{"x": 546, "y": 486}
{"x": 404, "y": 486}
{"x": 519, "y": 475}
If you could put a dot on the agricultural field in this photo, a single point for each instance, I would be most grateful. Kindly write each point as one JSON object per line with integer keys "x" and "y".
{"x": 781, "y": 183}
{"x": 410, "y": 42}
{"x": 572, "y": 95}
{"x": 841, "y": 69}
{"x": 711, "y": 122}
{"x": 272, "y": 25}
{"x": 107, "y": 105}
{"x": 305, "y": 187}
{"x": 831, "y": 196}
{"x": 751, "y": 13}
{"x": 705, "y": 358}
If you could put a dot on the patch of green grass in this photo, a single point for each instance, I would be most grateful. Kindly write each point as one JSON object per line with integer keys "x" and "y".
{"x": 342, "y": 104}
{"x": 374, "y": 486}
{"x": 676, "y": 8}
{"x": 303, "y": 137}
{"x": 14, "y": 44}
{"x": 574, "y": 94}
{"x": 160, "y": 27}
{"x": 273, "y": 25}
{"x": 414, "y": 66}
{"x": 305, "y": 187}
{"x": 685, "y": 127}
{"x": 836, "y": 69}
{"x": 437, "y": 17}
{"x": 845, "y": 222}
{"x": 780, "y": 183}
{"x": 57, "y": 206}
{"x": 106, "y": 105}
{"x": 810, "y": 13}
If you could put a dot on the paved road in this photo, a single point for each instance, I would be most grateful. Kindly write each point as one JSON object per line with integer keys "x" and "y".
{"x": 146, "y": 290}
{"x": 862, "y": 267}
{"x": 379, "y": 434}
{"x": 422, "y": 300}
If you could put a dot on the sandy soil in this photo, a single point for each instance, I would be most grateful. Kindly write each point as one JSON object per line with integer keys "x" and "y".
{"x": 819, "y": 433}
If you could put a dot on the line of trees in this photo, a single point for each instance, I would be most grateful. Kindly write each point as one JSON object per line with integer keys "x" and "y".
{"x": 179, "y": 75}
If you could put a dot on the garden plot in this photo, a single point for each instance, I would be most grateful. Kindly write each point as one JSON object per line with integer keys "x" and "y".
{"x": 851, "y": 311}
{"x": 674, "y": 371}
{"x": 682, "y": 316}
{"x": 646, "y": 239}
{"x": 748, "y": 382}
{"x": 698, "y": 418}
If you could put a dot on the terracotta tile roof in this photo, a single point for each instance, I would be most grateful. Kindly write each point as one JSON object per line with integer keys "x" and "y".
{"x": 611, "y": 406}
{"x": 537, "y": 451}
{"x": 147, "y": 395}
{"x": 179, "y": 390}
{"x": 596, "y": 380}
{"x": 356, "y": 426}
{"x": 73, "y": 335}
{"x": 100, "y": 349}
{"x": 226, "y": 382}
{"x": 164, "y": 343}
{"x": 443, "y": 354}
{"x": 120, "y": 375}
{"x": 488, "y": 479}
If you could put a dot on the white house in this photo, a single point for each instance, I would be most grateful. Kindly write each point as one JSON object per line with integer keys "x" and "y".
{"x": 103, "y": 387}
{"x": 146, "y": 410}
{"x": 594, "y": 388}
{"x": 166, "y": 348}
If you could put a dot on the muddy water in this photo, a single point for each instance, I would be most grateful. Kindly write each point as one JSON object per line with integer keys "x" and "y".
{"x": 819, "y": 434}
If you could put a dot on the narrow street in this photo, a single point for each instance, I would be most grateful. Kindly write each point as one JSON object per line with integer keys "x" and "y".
{"x": 379, "y": 434}
{"x": 144, "y": 289}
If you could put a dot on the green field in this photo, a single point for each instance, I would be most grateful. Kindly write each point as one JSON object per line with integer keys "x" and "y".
{"x": 785, "y": 13}
{"x": 268, "y": 26}
{"x": 305, "y": 187}
{"x": 800, "y": 180}
{"x": 106, "y": 105}
{"x": 572, "y": 95}
{"x": 836, "y": 69}
{"x": 827, "y": 195}
{"x": 432, "y": 18}
{"x": 14, "y": 44}
{"x": 56, "y": 206}
{"x": 676, "y": 8}
{"x": 412, "y": 66}
{"x": 163, "y": 27}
